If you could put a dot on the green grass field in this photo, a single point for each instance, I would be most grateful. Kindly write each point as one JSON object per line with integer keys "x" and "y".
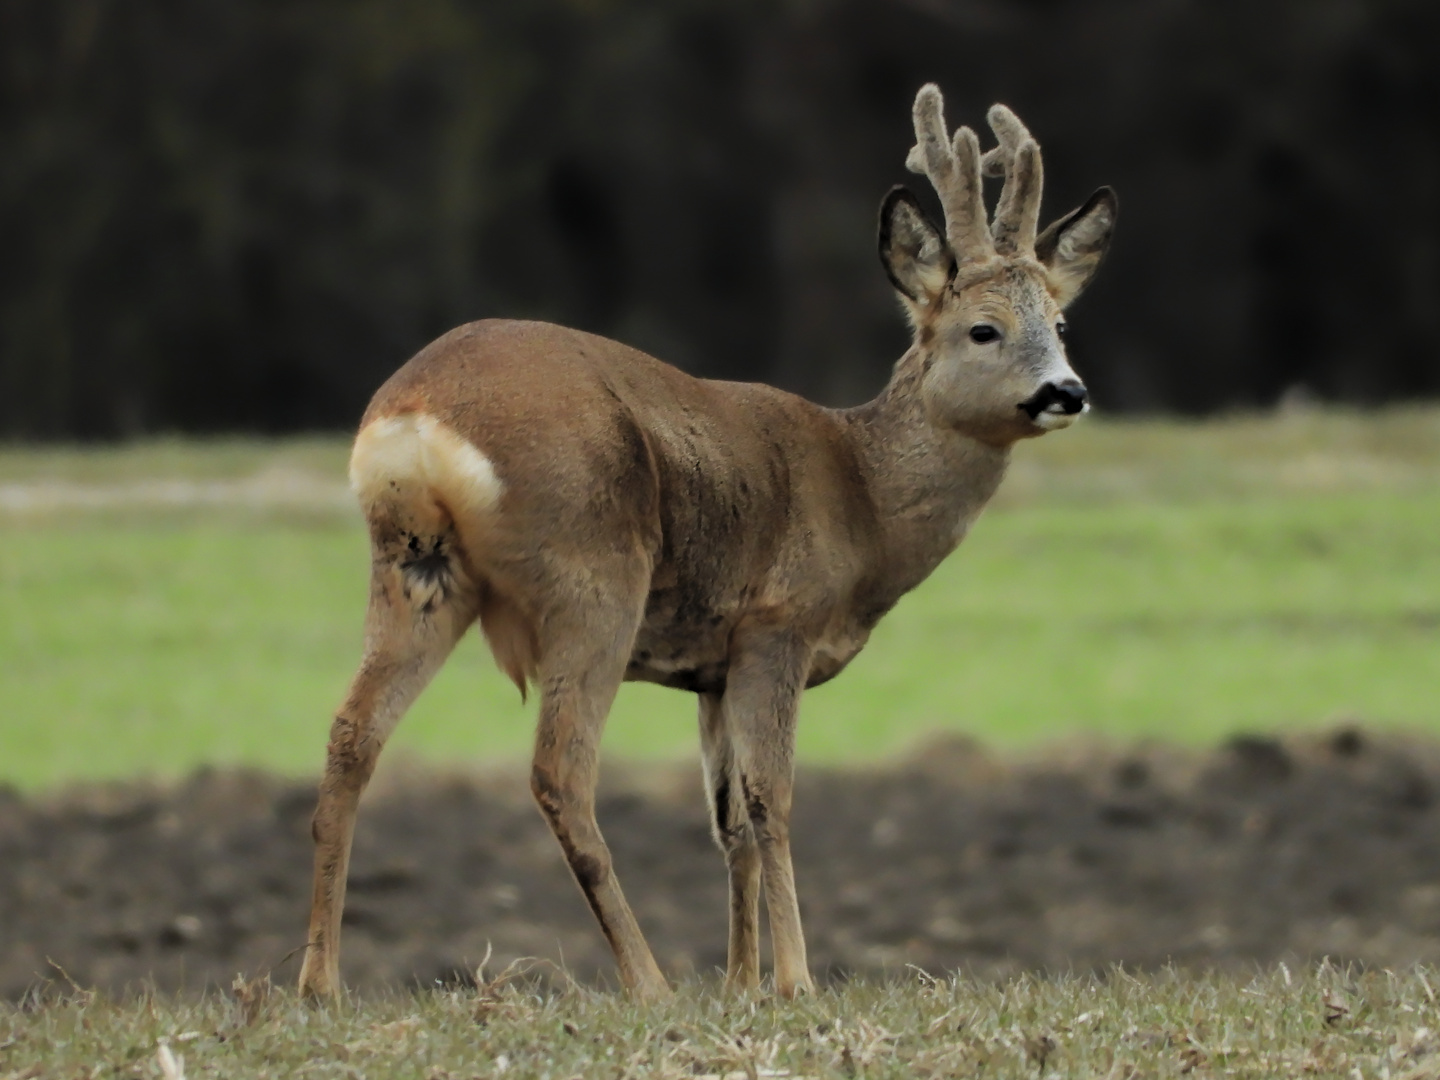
{"x": 1324, "y": 1023}
{"x": 178, "y": 603}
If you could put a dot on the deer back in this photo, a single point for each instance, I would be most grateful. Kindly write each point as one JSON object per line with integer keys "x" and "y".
{"x": 548, "y": 448}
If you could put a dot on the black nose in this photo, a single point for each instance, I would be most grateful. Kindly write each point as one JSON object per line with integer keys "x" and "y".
{"x": 1069, "y": 395}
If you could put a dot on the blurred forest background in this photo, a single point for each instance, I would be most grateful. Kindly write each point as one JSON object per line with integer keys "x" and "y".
{"x": 241, "y": 215}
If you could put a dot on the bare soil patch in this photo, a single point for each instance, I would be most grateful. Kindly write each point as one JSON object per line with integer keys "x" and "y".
{"x": 1259, "y": 851}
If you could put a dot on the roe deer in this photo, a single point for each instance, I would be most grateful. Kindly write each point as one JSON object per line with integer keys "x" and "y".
{"x": 607, "y": 517}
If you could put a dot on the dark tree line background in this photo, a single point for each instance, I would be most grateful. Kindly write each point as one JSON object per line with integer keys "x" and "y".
{"x": 243, "y": 214}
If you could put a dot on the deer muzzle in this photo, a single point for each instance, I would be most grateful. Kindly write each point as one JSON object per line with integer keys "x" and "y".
{"x": 1056, "y": 404}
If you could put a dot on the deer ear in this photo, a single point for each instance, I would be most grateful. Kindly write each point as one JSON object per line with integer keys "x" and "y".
{"x": 913, "y": 251}
{"x": 1071, "y": 248}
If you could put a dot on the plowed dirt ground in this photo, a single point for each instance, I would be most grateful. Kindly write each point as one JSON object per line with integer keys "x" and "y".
{"x": 1258, "y": 851}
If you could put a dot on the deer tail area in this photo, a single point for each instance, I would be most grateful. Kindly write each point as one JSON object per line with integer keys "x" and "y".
{"x": 415, "y": 474}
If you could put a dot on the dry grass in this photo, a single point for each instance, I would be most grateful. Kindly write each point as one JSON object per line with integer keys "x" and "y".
{"x": 1326, "y": 1022}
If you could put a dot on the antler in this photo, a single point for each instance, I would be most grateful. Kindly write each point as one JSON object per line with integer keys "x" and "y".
{"x": 954, "y": 169}
{"x": 1017, "y": 158}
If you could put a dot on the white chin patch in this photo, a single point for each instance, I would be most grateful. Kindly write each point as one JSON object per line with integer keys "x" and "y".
{"x": 1055, "y": 417}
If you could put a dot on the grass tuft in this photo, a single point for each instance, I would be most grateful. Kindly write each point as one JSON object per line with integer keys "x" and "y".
{"x": 1327, "y": 1021}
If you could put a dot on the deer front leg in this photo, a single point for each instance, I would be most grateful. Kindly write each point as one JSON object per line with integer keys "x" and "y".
{"x": 767, "y": 673}
{"x": 730, "y": 824}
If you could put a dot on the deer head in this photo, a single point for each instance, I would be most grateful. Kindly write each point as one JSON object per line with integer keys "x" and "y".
{"x": 986, "y": 298}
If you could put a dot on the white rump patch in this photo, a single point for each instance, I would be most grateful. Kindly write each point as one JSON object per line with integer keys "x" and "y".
{"x": 397, "y": 453}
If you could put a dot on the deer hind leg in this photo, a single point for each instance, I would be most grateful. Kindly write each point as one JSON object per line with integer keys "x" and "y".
{"x": 421, "y": 602}
{"x": 582, "y": 663}
{"x": 762, "y": 696}
{"x": 730, "y": 824}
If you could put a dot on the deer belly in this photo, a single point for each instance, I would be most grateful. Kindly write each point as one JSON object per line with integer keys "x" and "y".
{"x": 680, "y": 661}
{"x": 699, "y": 663}
{"x": 832, "y": 655}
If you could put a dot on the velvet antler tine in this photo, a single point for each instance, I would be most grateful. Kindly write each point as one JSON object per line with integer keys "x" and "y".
{"x": 1008, "y": 128}
{"x": 1018, "y": 214}
{"x": 994, "y": 162}
{"x": 1017, "y": 158}
{"x": 953, "y": 168}
{"x": 1030, "y": 175}
{"x": 930, "y": 155}
{"x": 1010, "y": 133}
{"x": 965, "y": 208}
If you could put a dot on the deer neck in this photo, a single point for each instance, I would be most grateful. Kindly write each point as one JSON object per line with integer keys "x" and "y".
{"x": 927, "y": 483}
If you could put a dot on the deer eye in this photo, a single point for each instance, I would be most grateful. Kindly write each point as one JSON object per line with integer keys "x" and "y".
{"x": 980, "y": 333}
{"x": 1062, "y": 328}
